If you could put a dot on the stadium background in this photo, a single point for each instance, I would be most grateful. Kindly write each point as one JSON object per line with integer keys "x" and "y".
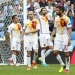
{"x": 16, "y": 7}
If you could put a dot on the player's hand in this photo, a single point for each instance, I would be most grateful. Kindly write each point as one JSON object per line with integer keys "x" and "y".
{"x": 6, "y": 43}
{"x": 26, "y": 33}
{"x": 69, "y": 42}
{"x": 51, "y": 38}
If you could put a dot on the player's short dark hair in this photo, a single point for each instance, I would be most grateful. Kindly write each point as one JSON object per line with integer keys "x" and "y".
{"x": 61, "y": 8}
{"x": 42, "y": 9}
{"x": 13, "y": 16}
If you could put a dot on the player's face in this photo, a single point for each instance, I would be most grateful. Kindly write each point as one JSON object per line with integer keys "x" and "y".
{"x": 58, "y": 11}
{"x": 15, "y": 19}
{"x": 44, "y": 11}
{"x": 30, "y": 14}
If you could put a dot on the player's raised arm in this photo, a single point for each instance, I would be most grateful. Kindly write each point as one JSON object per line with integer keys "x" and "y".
{"x": 38, "y": 12}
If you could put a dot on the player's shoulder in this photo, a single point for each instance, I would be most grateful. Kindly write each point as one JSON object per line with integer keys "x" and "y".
{"x": 12, "y": 24}
{"x": 27, "y": 21}
{"x": 19, "y": 24}
{"x": 66, "y": 18}
{"x": 36, "y": 19}
{"x": 56, "y": 17}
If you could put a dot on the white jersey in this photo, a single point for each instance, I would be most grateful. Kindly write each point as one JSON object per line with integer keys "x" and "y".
{"x": 44, "y": 25}
{"x": 15, "y": 30}
{"x": 32, "y": 25}
{"x": 62, "y": 24}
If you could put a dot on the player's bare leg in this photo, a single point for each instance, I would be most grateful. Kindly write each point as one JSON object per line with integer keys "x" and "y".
{"x": 42, "y": 59}
{"x": 58, "y": 57}
{"x": 29, "y": 60}
{"x": 35, "y": 58}
{"x": 12, "y": 60}
{"x": 17, "y": 53}
{"x": 49, "y": 51}
{"x": 67, "y": 60}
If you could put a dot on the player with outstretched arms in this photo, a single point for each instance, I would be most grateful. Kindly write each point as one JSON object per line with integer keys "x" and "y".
{"x": 30, "y": 30}
{"x": 44, "y": 34}
{"x": 62, "y": 29}
{"x": 14, "y": 29}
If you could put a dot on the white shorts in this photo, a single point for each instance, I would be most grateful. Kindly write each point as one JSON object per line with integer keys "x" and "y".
{"x": 15, "y": 44}
{"x": 30, "y": 43}
{"x": 61, "y": 43}
{"x": 45, "y": 40}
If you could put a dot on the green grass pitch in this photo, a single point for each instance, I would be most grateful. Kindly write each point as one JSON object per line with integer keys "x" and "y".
{"x": 21, "y": 70}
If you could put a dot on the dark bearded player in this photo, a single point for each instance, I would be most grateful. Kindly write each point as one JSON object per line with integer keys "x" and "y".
{"x": 62, "y": 29}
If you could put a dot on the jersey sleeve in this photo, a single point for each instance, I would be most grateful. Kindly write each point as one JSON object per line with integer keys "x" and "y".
{"x": 9, "y": 28}
{"x": 69, "y": 23}
{"x": 38, "y": 25}
{"x": 37, "y": 13}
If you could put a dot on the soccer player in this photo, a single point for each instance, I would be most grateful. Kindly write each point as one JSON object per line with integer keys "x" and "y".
{"x": 15, "y": 30}
{"x": 30, "y": 30}
{"x": 44, "y": 34}
{"x": 62, "y": 29}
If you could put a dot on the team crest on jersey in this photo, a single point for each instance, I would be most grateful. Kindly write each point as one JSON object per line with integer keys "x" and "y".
{"x": 19, "y": 26}
{"x": 63, "y": 22}
{"x": 34, "y": 24}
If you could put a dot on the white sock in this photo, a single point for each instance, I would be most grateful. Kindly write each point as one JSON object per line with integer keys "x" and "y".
{"x": 14, "y": 58}
{"x": 29, "y": 61}
{"x": 48, "y": 52}
{"x": 35, "y": 58}
{"x": 58, "y": 57}
{"x": 67, "y": 59}
{"x": 43, "y": 56}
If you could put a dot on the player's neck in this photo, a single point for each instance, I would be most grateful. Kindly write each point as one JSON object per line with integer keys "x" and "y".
{"x": 31, "y": 19}
{"x": 43, "y": 15}
{"x": 15, "y": 22}
{"x": 61, "y": 15}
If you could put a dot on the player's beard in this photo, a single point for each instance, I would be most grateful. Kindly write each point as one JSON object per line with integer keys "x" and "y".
{"x": 44, "y": 13}
{"x": 58, "y": 14}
